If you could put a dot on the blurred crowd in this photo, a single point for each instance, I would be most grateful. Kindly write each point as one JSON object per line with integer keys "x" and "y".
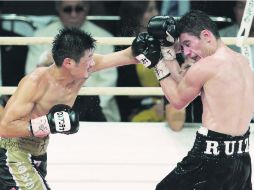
{"x": 16, "y": 61}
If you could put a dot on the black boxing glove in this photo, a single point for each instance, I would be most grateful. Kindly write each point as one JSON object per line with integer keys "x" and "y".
{"x": 60, "y": 119}
{"x": 163, "y": 28}
{"x": 146, "y": 49}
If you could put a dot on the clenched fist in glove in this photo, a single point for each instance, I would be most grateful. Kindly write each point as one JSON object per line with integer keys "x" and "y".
{"x": 146, "y": 49}
{"x": 163, "y": 28}
{"x": 60, "y": 119}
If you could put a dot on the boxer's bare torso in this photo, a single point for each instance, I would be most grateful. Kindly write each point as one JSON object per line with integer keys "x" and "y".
{"x": 225, "y": 82}
{"x": 227, "y": 95}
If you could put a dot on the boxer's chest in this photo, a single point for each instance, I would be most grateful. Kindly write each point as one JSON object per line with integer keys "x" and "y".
{"x": 53, "y": 96}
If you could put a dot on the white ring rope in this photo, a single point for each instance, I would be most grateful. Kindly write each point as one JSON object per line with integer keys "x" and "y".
{"x": 120, "y": 91}
{"x": 48, "y": 40}
{"x": 244, "y": 30}
{"x": 247, "y": 19}
{"x": 117, "y": 91}
{"x": 100, "y": 40}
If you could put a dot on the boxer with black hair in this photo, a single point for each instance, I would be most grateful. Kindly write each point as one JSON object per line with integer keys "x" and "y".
{"x": 42, "y": 105}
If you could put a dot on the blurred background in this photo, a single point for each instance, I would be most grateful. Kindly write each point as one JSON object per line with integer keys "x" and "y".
{"x": 107, "y": 8}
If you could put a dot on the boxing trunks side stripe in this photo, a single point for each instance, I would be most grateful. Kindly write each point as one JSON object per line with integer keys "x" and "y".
{"x": 20, "y": 172}
{"x": 33, "y": 145}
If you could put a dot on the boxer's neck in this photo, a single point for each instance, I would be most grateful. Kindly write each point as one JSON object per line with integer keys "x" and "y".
{"x": 61, "y": 75}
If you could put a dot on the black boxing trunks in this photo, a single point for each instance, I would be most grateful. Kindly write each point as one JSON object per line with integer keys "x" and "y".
{"x": 216, "y": 162}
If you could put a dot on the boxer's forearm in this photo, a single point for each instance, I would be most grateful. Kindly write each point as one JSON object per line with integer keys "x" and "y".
{"x": 116, "y": 59}
{"x": 175, "y": 117}
{"x": 170, "y": 89}
{"x": 18, "y": 128}
{"x": 175, "y": 70}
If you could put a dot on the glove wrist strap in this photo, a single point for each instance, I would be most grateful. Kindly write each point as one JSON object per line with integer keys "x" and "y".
{"x": 39, "y": 127}
{"x": 161, "y": 70}
{"x": 168, "y": 53}
{"x": 144, "y": 60}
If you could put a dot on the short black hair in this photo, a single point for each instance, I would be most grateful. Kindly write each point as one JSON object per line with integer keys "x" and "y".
{"x": 194, "y": 22}
{"x": 71, "y": 43}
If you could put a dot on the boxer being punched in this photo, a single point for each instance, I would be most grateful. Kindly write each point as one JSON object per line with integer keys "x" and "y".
{"x": 41, "y": 105}
{"x": 220, "y": 156}
{"x": 219, "y": 159}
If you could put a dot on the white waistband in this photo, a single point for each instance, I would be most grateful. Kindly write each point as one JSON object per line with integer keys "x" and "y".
{"x": 203, "y": 131}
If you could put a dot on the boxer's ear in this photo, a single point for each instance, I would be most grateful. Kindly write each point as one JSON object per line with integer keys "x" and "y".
{"x": 68, "y": 62}
{"x": 205, "y": 35}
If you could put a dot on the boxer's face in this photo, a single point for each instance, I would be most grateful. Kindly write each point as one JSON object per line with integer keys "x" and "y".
{"x": 191, "y": 46}
{"x": 196, "y": 48}
{"x": 83, "y": 69}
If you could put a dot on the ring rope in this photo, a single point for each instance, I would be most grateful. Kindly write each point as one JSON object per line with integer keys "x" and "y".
{"x": 100, "y": 40}
{"x": 246, "y": 22}
{"x": 48, "y": 40}
{"x": 117, "y": 91}
{"x": 244, "y": 30}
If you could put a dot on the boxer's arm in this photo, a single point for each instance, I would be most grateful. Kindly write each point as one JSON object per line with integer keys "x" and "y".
{"x": 3, "y": 101}
{"x": 1, "y": 111}
{"x": 115, "y": 59}
{"x": 16, "y": 116}
{"x": 180, "y": 94}
{"x": 175, "y": 117}
{"x": 177, "y": 71}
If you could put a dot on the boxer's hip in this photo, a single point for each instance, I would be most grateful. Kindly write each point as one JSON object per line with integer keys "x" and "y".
{"x": 33, "y": 145}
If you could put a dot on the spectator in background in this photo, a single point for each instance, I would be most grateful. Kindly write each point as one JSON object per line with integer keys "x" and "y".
{"x": 134, "y": 18}
{"x": 12, "y": 58}
{"x": 232, "y": 30}
{"x": 73, "y": 14}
